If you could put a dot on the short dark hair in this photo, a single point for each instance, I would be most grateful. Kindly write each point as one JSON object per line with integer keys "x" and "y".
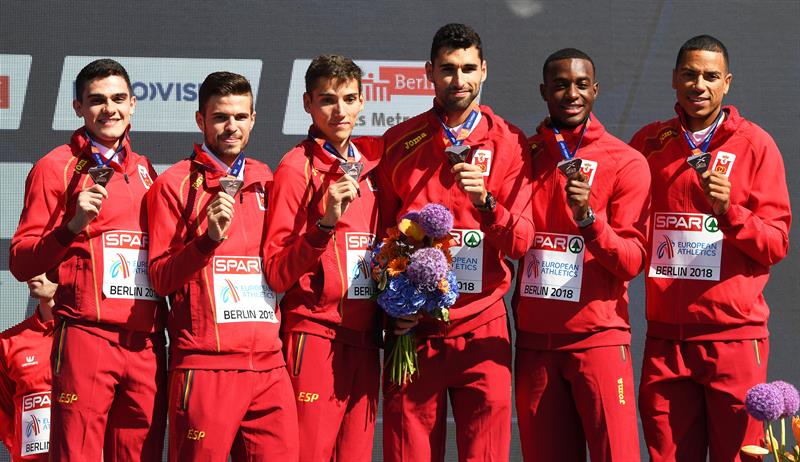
{"x": 337, "y": 67}
{"x": 566, "y": 53}
{"x": 702, "y": 43}
{"x": 223, "y": 84}
{"x": 97, "y": 69}
{"x": 456, "y": 36}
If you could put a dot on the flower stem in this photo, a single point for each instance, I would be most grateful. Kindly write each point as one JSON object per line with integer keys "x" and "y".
{"x": 772, "y": 440}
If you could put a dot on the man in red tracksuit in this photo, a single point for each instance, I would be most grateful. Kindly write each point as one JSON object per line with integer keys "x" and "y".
{"x": 488, "y": 192}
{"x": 229, "y": 390}
{"x": 573, "y": 374}
{"x": 320, "y": 225}
{"x": 83, "y": 223}
{"x": 25, "y": 378}
{"x": 720, "y": 218}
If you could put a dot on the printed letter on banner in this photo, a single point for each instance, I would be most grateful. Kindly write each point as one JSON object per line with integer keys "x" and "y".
{"x": 35, "y": 423}
{"x": 359, "y": 280}
{"x": 468, "y": 259}
{"x": 553, "y": 267}
{"x": 686, "y": 246}
{"x": 241, "y": 293}
{"x": 125, "y": 266}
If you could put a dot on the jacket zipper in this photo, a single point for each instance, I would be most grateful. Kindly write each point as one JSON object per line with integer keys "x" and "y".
{"x": 341, "y": 278}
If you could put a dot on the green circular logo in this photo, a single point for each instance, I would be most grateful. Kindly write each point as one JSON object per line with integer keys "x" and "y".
{"x": 711, "y": 225}
{"x": 472, "y": 239}
{"x": 576, "y": 245}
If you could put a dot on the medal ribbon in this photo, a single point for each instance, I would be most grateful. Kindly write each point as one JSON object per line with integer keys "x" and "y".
{"x": 327, "y": 146}
{"x": 99, "y": 159}
{"x": 236, "y": 166}
{"x": 706, "y": 142}
{"x": 562, "y": 144}
{"x": 463, "y": 132}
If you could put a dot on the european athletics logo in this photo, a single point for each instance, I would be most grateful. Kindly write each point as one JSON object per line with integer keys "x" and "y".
{"x": 361, "y": 270}
{"x": 33, "y": 427}
{"x": 667, "y": 247}
{"x": 229, "y": 292}
{"x": 120, "y": 266}
{"x": 533, "y": 267}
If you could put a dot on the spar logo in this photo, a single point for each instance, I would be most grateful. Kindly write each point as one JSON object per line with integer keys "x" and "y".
{"x": 667, "y": 247}
{"x": 131, "y": 240}
{"x": 36, "y": 401}
{"x": 229, "y": 292}
{"x": 558, "y": 243}
{"x": 120, "y": 267}
{"x": 533, "y": 267}
{"x": 470, "y": 239}
{"x": 166, "y": 89}
{"x": 237, "y": 265}
{"x": 695, "y": 222}
{"x": 394, "y": 91}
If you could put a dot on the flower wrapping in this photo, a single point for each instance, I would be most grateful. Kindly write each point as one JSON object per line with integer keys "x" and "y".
{"x": 413, "y": 270}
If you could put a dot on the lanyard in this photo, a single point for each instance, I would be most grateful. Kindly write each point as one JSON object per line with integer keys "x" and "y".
{"x": 706, "y": 142}
{"x": 98, "y": 158}
{"x": 327, "y": 146}
{"x": 463, "y": 132}
{"x": 562, "y": 144}
{"x": 237, "y": 165}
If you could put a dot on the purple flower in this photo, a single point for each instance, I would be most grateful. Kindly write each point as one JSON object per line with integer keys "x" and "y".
{"x": 764, "y": 402}
{"x": 436, "y": 220}
{"x": 426, "y": 268}
{"x": 413, "y": 216}
{"x": 791, "y": 398}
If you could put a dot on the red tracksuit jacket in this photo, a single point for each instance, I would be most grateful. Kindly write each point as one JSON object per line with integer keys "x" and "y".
{"x": 25, "y": 384}
{"x": 101, "y": 272}
{"x": 326, "y": 278}
{"x": 222, "y": 313}
{"x": 572, "y": 285}
{"x": 706, "y": 276}
{"x": 415, "y": 172}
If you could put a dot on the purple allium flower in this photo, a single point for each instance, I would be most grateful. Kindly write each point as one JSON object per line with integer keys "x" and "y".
{"x": 791, "y": 398}
{"x": 426, "y": 268}
{"x": 436, "y": 220}
{"x": 764, "y": 402}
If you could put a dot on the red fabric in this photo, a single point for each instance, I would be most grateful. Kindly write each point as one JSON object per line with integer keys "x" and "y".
{"x": 474, "y": 370}
{"x": 614, "y": 245}
{"x": 415, "y": 172}
{"x": 755, "y": 230}
{"x": 691, "y": 398}
{"x": 336, "y": 391}
{"x": 43, "y": 243}
{"x": 566, "y": 397}
{"x": 24, "y": 370}
{"x": 181, "y": 258}
{"x": 249, "y": 414}
{"x": 310, "y": 265}
{"x": 109, "y": 397}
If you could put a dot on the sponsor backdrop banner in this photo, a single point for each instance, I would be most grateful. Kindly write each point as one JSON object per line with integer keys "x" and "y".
{"x": 169, "y": 51}
{"x": 166, "y": 89}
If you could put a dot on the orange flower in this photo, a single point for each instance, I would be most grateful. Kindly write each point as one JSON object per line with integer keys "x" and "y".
{"x": 397, "y": 266}
{"x": 796, "y": 428}
{"x": 444, "y": 286}
{"x": 393, "y": 233}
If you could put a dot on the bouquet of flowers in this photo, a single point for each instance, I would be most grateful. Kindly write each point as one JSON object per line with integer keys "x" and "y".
{"x": 413, "y": 269}
{"x": 772, "y": 401}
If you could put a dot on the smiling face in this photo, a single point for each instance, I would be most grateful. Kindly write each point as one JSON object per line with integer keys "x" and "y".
{"x": 106, "y": 106}
{"x": 700, "y": 81}
{"x": 226, "y": 122}
{"x": 457, "y": 75}
{"x": 569, "y": 89}
{"x": 334, "y": 106}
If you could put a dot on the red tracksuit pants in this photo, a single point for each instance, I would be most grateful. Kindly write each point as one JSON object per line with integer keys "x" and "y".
{"x": 691, "y": 398}
{"x": 475, "y": 371}
{"x": 564, "y": 398}
{"x": 250, "y": 415}
{"x": 109, "y": 397}
{"x": 336, "y": 387}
